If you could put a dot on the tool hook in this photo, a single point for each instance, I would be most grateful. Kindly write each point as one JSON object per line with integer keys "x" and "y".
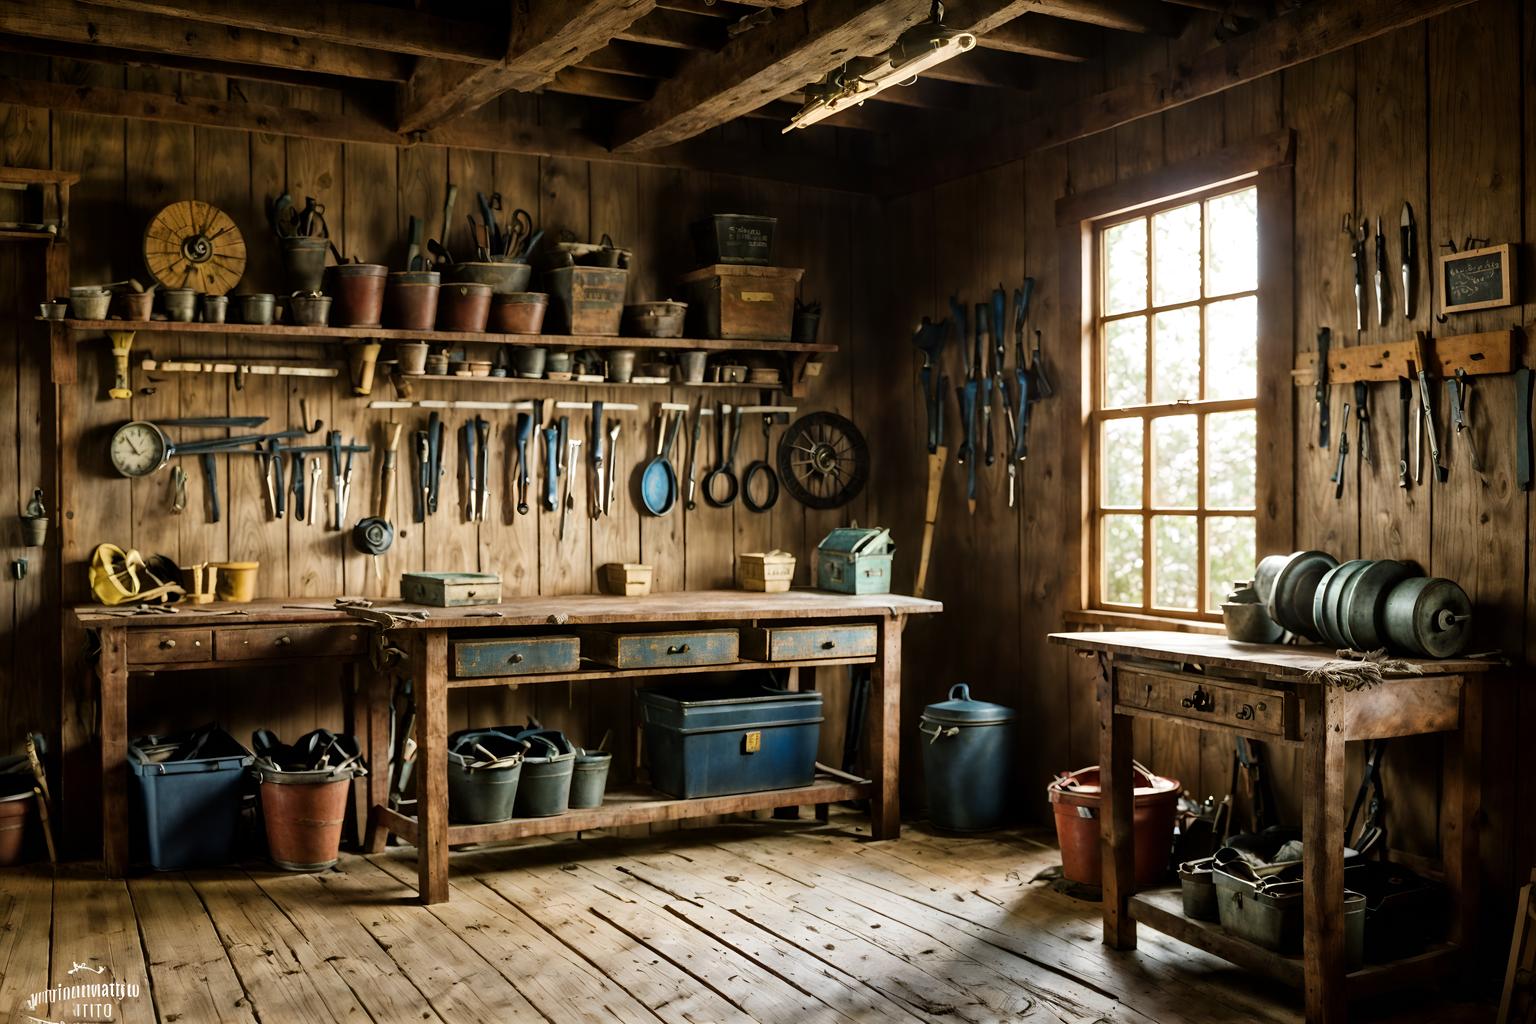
{"x": 304, "y": 419}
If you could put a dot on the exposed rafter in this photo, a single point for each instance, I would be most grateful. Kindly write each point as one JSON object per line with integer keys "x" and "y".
{"x": 1145, "y": 16}
{"x": 71, "y": 22}
{"x": 545, "y": 38}
{"x": 676, "y": 30}
{"x": 1034, "y": 35}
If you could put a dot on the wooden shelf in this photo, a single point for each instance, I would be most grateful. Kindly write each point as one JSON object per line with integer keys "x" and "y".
{"x": 1163, "y": 909}
{"x": 527, "y": 382}
{"x": 322, "y": 335}
{"x": 634, "y": 807}
{"x": 596, "y": 674}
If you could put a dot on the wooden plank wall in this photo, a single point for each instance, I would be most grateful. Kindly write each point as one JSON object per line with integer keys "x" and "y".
{"x": 1375, "y": 125}
{"x": 131, "y": 168}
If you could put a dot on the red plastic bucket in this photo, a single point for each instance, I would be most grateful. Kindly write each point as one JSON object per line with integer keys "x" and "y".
{"x": 1075, "y": 800}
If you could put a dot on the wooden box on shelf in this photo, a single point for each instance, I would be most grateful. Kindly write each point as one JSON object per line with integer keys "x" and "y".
{"x": 742, "y": 303}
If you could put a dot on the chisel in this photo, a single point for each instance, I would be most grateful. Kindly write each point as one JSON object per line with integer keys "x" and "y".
{"x": 483, "y": 437}
{"x": 1523, "y": 428}
{"x": 613, "y": 461}
{"x": 1358, "y": 252}
{"x": 1338, "y": 469}
{"x": 1405, "y": 412}
{"x": 524, "y": 429}
{"x": 551, "y": 468}
{"x": 1381, "y": 283}
{"x": 596, "y": 452}
{"x": 1427, "y": 403}
{"x": 471, "y": 469}
{"x": 1408, "y": 240}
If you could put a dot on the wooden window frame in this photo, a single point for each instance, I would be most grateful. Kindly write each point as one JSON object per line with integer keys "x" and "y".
{"x": 1265, "y": 162}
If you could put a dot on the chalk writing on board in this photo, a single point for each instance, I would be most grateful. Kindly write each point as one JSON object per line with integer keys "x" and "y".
{"x": 1480, "y": 279}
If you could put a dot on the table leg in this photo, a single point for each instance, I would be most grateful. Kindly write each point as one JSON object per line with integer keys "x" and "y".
{"x": 792, "y": 684}
{"x": 431, "y": 668}
{"x": 1322, "y": 835}
{"x": 112, "y": 730}
{"x": 376, "y": 690}
{"x": 884, "y": 729}
{"x": 1116, "y": 841}
{"x": 1459, "y": 808}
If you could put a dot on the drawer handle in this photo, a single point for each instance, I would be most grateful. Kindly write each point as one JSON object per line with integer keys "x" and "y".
{"x": 515, "y": 659}
{"x": 678, "y": 649}
{"x": 1200, "y": 700}
{"x": 1245, "y": 713}
{"x": 827, "y": 645}
{"x": 167, "y": 644}
{"x": 284, "y": 640}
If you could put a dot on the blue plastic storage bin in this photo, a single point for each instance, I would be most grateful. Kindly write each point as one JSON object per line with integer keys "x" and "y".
{"x": 711, "y": 740}
{"x": 187, "y": 811}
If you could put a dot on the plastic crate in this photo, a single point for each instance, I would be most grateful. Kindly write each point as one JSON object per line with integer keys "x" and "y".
{"x": 187, "y": 812}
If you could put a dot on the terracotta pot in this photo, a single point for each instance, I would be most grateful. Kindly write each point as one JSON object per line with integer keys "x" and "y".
{"x": 13, "y": 827}
{"x": 463, "y": 306}
{"x": 133, "y": 305}
{"x": 518, "y": 312}
{"x": 358, "y": 290}
{"x": 410, "y": 300}
{"x": 303, "y": 819}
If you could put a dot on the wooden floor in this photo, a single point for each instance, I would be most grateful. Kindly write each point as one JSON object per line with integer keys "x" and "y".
{"x": 772, "y": 922}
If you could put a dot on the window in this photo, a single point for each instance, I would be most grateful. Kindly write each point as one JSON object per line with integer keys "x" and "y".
{"x": 1174, "y": 421}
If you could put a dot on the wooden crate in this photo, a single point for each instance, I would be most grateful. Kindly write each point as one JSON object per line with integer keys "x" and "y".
{"x": 586, "y": 300}
{"x": 742, "y": 303}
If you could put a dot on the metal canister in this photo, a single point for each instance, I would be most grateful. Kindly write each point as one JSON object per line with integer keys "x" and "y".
{"x": 967, "y": 761}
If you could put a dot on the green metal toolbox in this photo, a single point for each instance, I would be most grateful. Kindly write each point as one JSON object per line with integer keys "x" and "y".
{"x": 855, "y": 560}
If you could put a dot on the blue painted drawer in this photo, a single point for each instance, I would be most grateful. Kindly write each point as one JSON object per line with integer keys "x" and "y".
{"x": 805, "y": 643}
{"x": 660, "y": 650}
{"x": 516, "y": 656}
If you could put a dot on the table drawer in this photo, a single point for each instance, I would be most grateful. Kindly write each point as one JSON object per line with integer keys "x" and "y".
{"x": 151, "y": 646}
{"x": 804, "y": 643}
{"x": 529, "y": 655}
{"x": 1242, "y": 706}
{"x": 660, "y": 650}
{"x": 254, "y": 643}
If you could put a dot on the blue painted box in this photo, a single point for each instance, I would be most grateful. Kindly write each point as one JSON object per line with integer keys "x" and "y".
{"x": 712, "y": 740}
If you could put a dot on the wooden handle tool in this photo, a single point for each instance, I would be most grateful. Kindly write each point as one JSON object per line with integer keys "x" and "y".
{"x": 936, "y": 460}
{"x": 387, "y": 474}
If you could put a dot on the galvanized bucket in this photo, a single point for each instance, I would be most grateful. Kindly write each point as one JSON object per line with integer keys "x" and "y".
{"x": 545, "y": 788}
{"x": 590, "y": 778}
{"x": 484, "y": 768}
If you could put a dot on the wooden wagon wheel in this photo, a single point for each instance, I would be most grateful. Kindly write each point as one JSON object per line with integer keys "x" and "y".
{"x": 193, "y": 245}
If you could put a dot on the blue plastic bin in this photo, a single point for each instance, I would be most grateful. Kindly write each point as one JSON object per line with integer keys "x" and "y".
{"x": 187, "y": 811}
{"x": 711, "y": 740}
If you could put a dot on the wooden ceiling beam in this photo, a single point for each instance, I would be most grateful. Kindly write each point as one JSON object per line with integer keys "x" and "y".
{"x": 582, "y": 81}
{"x": 770, "y": 61}
{"x": 68, "y": 21}
{"x": 335, "y": 21}
{"x": 1036, "y": 36}
{"x": 1143, "y": 16}
{"x": 677, "y": 31}
{"x": 475, "y": 133}
{"x": 547, "y": 36}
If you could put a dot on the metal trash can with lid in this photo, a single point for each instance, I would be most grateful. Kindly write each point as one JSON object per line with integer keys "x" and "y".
{"x": 967, "y": 761}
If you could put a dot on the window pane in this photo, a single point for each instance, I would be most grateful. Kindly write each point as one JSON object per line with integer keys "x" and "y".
{"x": 1176, "y": 255}
{"x": 1232, "y": 348}
{"x": 1232, "y": 258}
{"x": 1176, "y": 355}
{"x": 1175, "y": 462}
{"x": 1231, "y": 462}
{"x": 1125, "y": 267}
{"x": 1229, "y": 548}
{"x": 1122, "y": 452}
{"x": 1125, "y": 362}
{"x": 1175, "y": 555}
{"x": 1121, "y": 560}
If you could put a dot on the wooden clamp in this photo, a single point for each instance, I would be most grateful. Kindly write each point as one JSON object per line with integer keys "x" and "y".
{"x": 1477, "y": 354}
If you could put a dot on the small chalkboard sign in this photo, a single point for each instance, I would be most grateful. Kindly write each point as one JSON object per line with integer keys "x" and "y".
{"x": 1477, "y": 279}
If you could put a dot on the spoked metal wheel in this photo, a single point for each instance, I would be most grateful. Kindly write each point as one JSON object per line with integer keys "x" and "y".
{"x": 823, "y": 460}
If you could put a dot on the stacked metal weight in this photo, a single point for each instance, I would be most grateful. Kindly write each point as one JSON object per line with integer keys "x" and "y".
{"x": 1365, "y": 604}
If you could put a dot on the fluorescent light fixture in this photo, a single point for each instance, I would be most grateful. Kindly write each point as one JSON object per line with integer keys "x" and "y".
{"x": 915, "y": 51}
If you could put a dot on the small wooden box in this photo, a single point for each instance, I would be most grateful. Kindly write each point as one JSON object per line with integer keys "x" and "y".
{"x": 450, "y": 589}
{"x": 626, "y": 579}
{"x": 586, "y": 300}
{"x": 742, "y": 303}
{"x": 770, "y": 572}
{"x": 660, "y": 650}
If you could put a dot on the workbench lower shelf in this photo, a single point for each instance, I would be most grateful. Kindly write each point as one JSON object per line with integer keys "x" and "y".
{"x": 1162, "y": 910}
{"x": 633, "y": 807}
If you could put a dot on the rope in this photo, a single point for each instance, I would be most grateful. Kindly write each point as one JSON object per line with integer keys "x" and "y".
{"x": 1361, "y": 670}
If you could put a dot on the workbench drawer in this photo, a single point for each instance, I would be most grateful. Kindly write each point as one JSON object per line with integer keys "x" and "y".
{"x": 528, "y": 655}
{"x": 805, "y": 643}
{"x": 255, "y": 643}
{"x": 147, "y": 647}
{"x": 660, "y": 650}
{"x": 1244, "y": 706}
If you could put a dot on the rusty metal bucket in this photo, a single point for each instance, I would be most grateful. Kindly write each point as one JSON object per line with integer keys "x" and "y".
{"x": 303, "y": 812}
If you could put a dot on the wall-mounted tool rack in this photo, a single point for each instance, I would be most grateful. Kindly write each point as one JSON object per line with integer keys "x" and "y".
{"x": 800, "y": 363}
{"x": 1485, "y": 353}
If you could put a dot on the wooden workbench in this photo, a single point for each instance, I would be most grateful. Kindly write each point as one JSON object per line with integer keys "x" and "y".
{"x": 1261, "y": 692}
{"x": 284, "y": 631}
{"x": 427, "y": 645}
